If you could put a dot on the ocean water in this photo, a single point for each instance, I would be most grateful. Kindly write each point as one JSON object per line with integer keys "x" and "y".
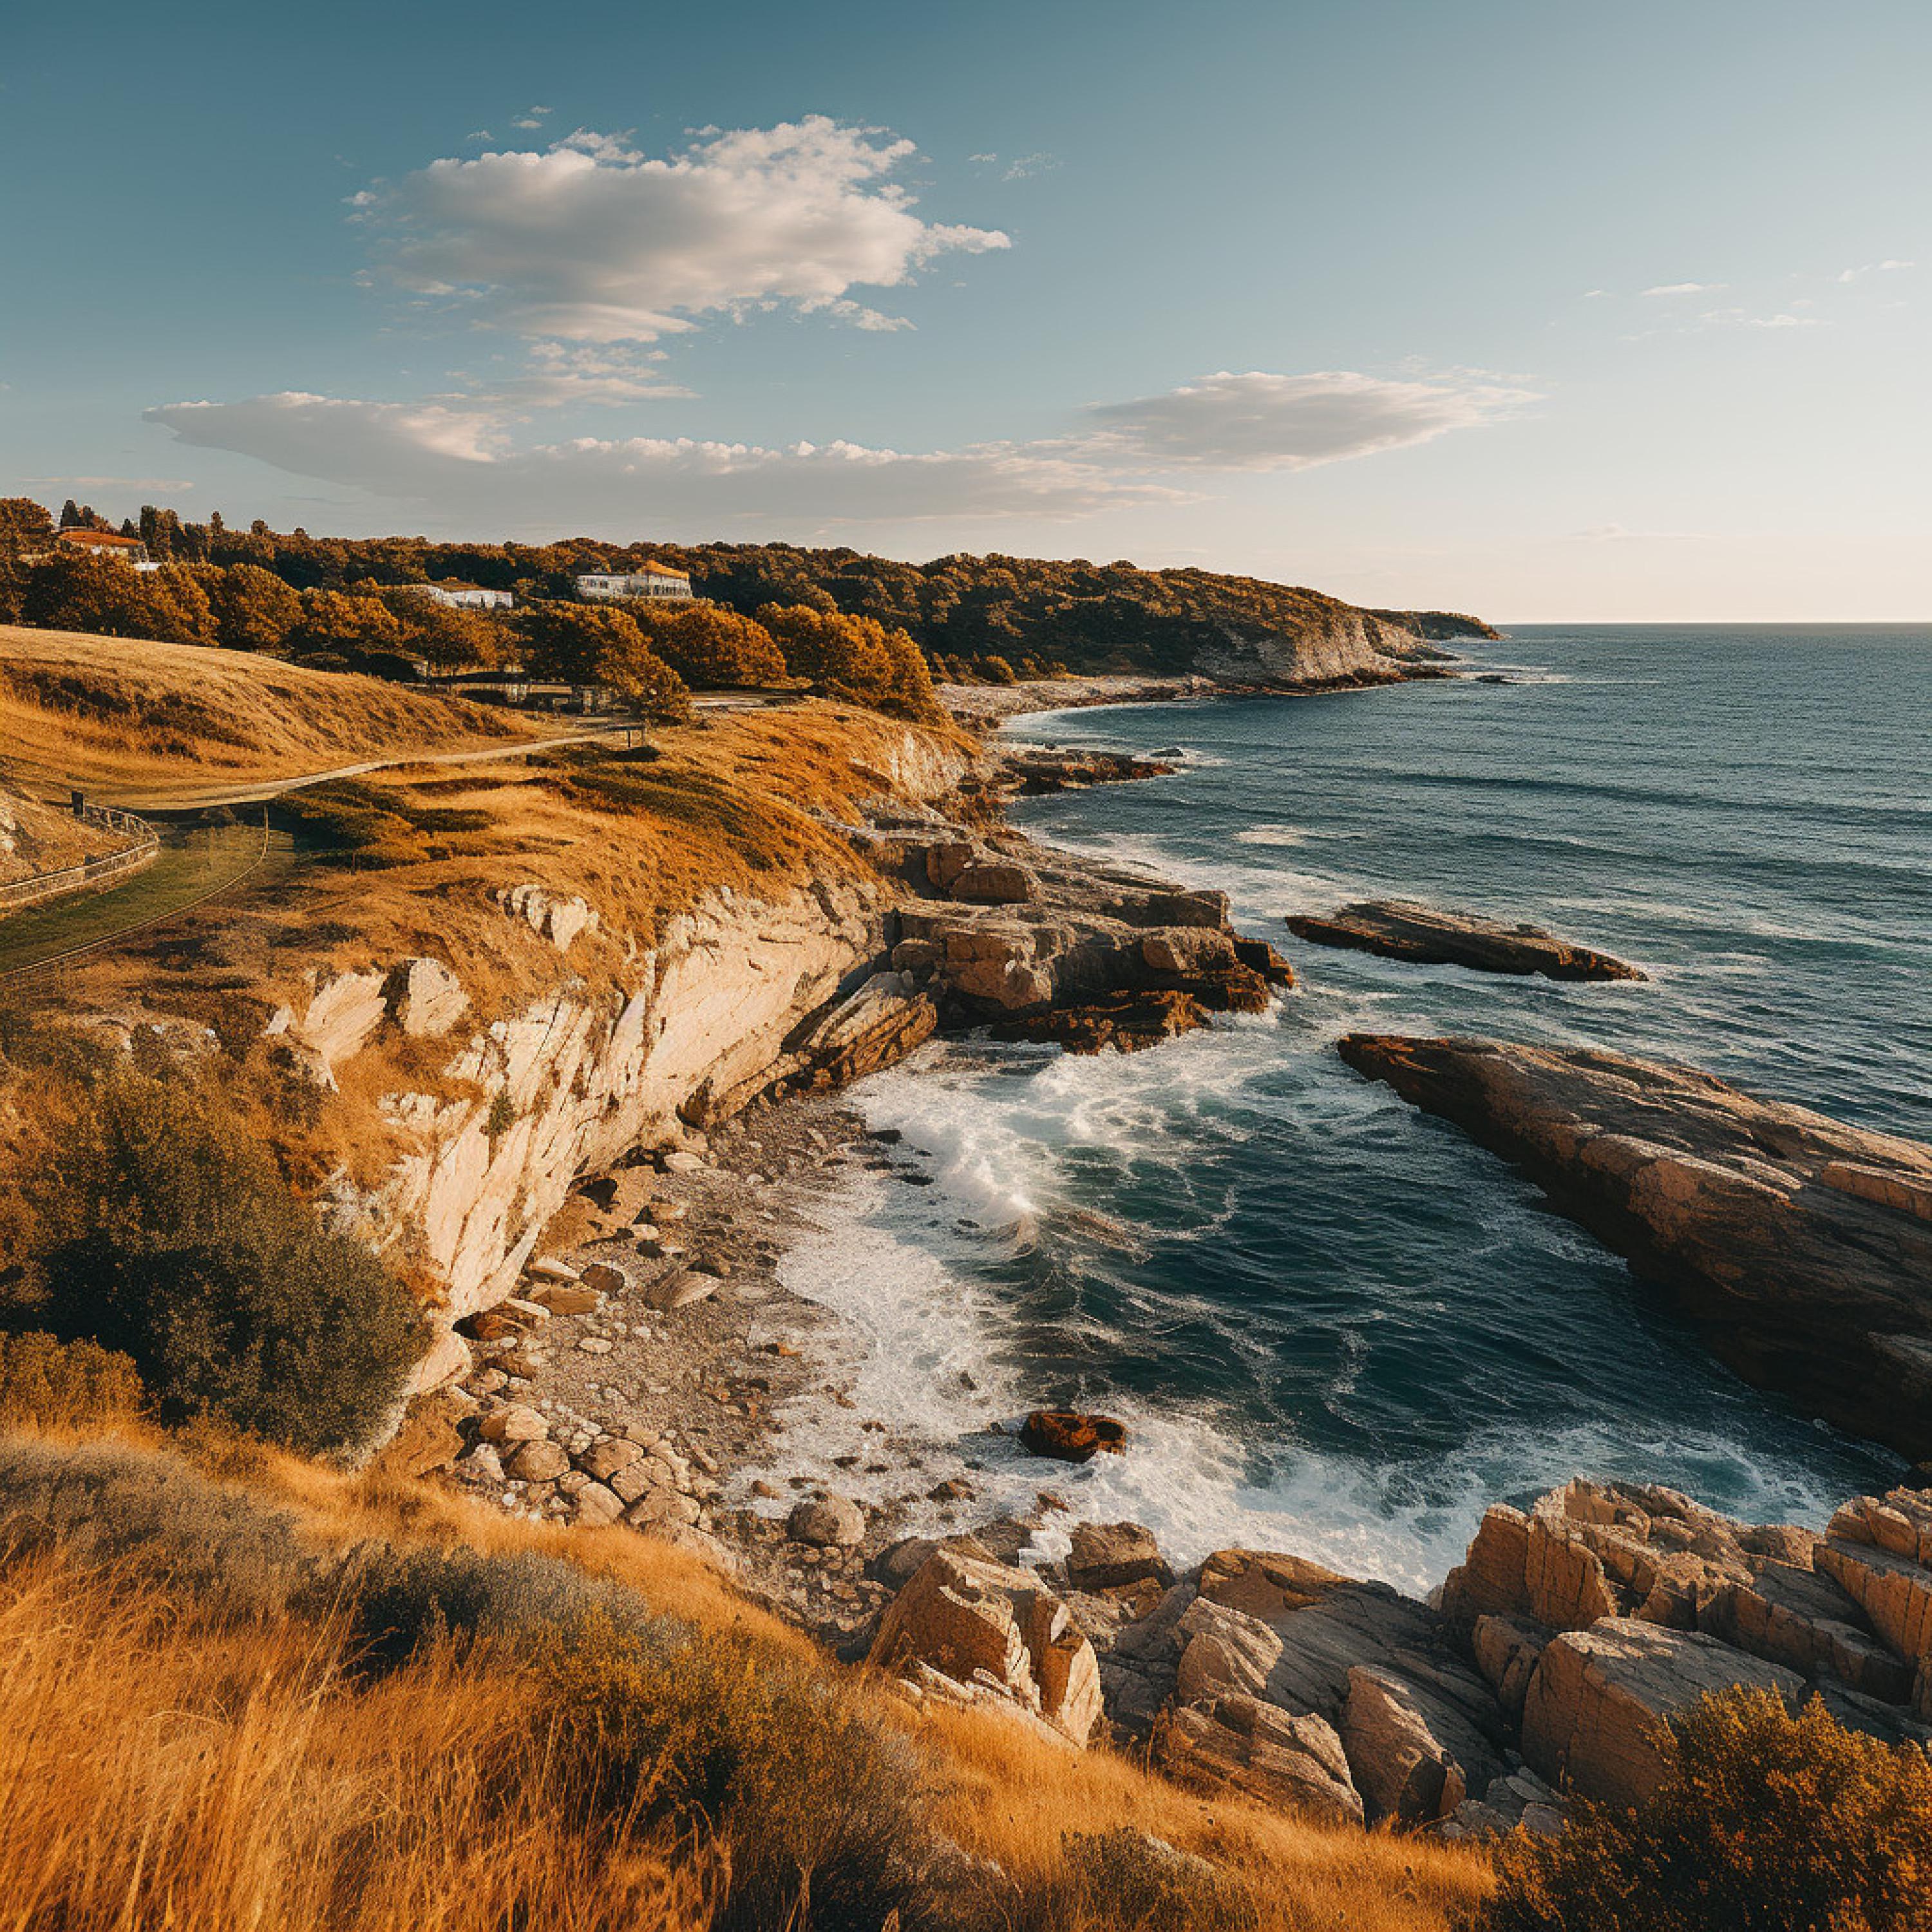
{"x": 1334, "y": 1325}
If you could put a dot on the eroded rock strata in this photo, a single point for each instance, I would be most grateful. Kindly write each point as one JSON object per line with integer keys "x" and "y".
{"x": 1550, "y": 1662}
{"x": 1425, "y": 935}
{"x": 1802, "y": 1246}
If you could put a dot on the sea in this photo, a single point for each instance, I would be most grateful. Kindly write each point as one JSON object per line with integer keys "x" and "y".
{"x": 1334, "y": 1325}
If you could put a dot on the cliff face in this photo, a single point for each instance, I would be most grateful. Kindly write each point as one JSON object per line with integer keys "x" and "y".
{"x": 576, "y": 1077}
{"x": 1336, "y": 645}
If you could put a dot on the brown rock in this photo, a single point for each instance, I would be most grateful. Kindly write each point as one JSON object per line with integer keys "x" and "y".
{"x": 1403, "y": 1766}
{"x": 564, "y": 1297}
{"x": 1241, "y": 1744}
{"x": 1600, "y": 1698}
{"x": 1796, "y": 1284}
{"x": 1182, "y": 950}
{"x": 982, "y": 1625}
{"x": 604, "y": 1459}
{"x": 1070, "y": 1437}
{"x": 538, "y": 1462}
{"x": 1110, "y": 1555}
{"x": 995, "y": 884}
{"x": 512, "y": 1422}
{"x": 1506, "y": 1651}
{"x": 1426, "y": 936}
{"x": 597, "y": 1504}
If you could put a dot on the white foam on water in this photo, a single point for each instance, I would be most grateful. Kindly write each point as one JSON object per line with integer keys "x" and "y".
{"x": 1271, "y": 835}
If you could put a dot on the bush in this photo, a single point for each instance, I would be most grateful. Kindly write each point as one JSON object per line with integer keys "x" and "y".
{"x": 820, "y": 1806}
{"x": 1764, "y": 1821}
{"x": 1129, "y": 1882}
{"x": 180, "y": 1245}
{"x": 45, "y": 1381}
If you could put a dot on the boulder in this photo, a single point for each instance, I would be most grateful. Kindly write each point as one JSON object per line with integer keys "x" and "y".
{"x": 596, "y": 1505}
{"x": 1108, "y": 1555}
{"x": 446, "y": 1359}
{"x": 604, "y": 1459}
{"x": 1894, "y": 1592}
{"x": 1183, "y": 951}
{"x": 995, "y": 1631}
{"x": 548, "y": 1267}
{"x": 1241, "y": 1744}
{"x": 827, "y": 1523}
{"x": 1425, "y": 935}
{"x": 1506, "y": 1649}
{"x": 563, "y": 1297}
{"x": 606, "y": 1278}
{"x": 994, "y": 883}
{"x": 513, "y": 1422}
{"x": 1402, "y": 1768}
{"x": 343, "y": 1014}
{"x": 1068, "y": 1436}
{"x": 1600, "y": 1700}
{"x": 947, "y": 859}
{"x": 538, "y": 1461}
{"x": 424, "y": 998}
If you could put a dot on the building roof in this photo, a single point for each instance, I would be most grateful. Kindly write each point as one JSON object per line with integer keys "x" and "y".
{"x": 92, "y": 539}
{"x": 642, "y": 570}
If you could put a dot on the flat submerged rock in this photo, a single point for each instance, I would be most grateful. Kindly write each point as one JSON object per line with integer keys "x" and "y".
{"x": 1425, "y": 935}
{"x": 1802, "y": 1246}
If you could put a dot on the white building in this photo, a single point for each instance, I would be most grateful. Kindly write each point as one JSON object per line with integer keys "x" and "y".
{"x": 648, "y": 579}
{"x": 467, "y": 596}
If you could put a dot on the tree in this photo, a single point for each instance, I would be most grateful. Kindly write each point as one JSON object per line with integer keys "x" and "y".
{"x": 711, "y": 646}
{"x": 25, "y": 527}
{"x": 254, "y": 610}
{"x": 73, "y": 591}
{"x": 584, "y": 644}
{"x": 856, "y": 659}
{"x": 332, "y": 621}
{"x": 446, "y": 634}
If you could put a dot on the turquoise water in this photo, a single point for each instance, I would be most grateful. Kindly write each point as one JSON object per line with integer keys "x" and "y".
{"x": 1334, "y": 1324}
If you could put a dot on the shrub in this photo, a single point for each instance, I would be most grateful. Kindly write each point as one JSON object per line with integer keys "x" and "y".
{"x": 1764, "y": 1821}
{"x": 45, "y": 1381}
{"x": 179, "y": 1244}
{"x": 1129, "y": 1882}
{"x": 820, "y": 1806}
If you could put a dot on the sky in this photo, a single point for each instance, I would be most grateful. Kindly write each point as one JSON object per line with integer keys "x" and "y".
{"x": 1547, "y": 311}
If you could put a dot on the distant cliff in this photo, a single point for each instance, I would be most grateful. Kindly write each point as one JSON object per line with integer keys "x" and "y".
{"x": 978, "y": 615}
{"x": 1439, "y": 625}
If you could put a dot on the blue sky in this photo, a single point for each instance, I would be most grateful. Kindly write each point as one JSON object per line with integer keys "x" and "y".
{"x": 1547, "y": 310}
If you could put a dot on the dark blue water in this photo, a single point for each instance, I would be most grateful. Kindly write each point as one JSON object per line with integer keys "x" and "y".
{"x": 1336, "y": 1324}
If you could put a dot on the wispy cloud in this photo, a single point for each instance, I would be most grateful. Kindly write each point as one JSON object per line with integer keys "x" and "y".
{"x": 171, "y": 484}
{"x": 591, "y": 240}
{"x": 1686, "y": 288}
{"x": 1259, "y": 421}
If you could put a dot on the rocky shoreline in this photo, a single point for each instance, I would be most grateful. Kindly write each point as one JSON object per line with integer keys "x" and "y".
{"x": 644, "y": 1369}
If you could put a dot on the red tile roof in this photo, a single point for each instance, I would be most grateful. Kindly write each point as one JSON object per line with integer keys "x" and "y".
{"x": 93, "y": 539}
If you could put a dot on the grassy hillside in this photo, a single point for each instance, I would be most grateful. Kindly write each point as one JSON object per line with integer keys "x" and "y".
{"x": 235, "y": 1689}
{"x": 36, "y": 838}
{"x": 123, "y": 714}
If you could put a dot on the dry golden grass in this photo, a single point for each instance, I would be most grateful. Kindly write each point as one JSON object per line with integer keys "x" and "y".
{"x": 126, "y": 716}
{"x": 168, "y": 1764}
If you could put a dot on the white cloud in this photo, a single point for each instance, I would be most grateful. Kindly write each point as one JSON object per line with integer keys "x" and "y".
{"x": 1262, "y": 422}
{"x": 591, "y": 240}
{"x": 458, "y": 463}
{"x": 559, "y": 375}
{"x": 1029, "y": 165}
{"x": 1686, "y": 289}
{"x": 1890, "y": 266}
